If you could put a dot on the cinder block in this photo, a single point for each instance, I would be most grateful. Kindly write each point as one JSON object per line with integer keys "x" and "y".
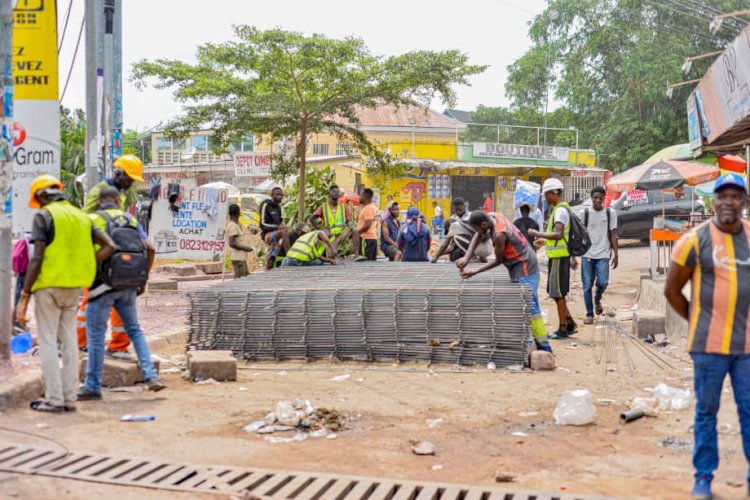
{"x": 161, "y": 284}
{"x": 218, "y": 365}
{"x": 211, "y": 267}
{"x": 647, "y": 322}
{"x": 181, "y": 269}
{"x": 118, "y": 373}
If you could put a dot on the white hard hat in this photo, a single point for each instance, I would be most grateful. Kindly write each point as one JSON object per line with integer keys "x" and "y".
{"x": 552, "y": 184}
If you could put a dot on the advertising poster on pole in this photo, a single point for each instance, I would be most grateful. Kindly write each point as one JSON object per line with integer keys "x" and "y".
{"x": 36, "y": 128}
{"x": 196, "y": 230}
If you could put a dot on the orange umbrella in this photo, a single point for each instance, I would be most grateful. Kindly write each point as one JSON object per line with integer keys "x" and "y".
{"x": 663, "y": 175}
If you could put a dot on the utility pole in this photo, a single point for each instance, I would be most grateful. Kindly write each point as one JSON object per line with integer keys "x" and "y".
{"x": 6, "y": 175}
{"x": 109, "y": 83}
{"x": 94, "y": 14}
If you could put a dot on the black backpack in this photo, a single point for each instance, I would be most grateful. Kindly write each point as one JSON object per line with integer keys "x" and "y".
{"x": 128, "y": 267}
{"x": 578, "y": 239}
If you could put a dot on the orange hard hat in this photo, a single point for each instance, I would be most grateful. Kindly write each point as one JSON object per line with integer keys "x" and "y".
{"x": 131, "y": 165}
{"x": 45, "y": 181}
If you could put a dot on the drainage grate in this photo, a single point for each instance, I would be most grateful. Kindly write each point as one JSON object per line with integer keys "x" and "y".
{"x": 140, "y": 472}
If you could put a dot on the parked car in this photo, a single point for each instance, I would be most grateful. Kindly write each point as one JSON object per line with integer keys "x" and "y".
{"x": 249, "y": 207}
{"x": 636, "y": 213}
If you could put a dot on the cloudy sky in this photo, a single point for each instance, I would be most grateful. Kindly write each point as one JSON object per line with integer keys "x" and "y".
{"x": 492, "y": 32}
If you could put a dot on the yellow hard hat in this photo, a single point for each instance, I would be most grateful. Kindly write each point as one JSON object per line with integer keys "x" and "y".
{"x": 45, "y": 181}
{"x": 131, "y": 165}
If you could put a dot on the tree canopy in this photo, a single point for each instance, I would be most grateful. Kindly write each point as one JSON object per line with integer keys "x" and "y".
{"x": 285, "y": 85}
{"x": 609, "y": 63}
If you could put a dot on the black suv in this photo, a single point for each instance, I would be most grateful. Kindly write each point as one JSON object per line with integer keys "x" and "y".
{"x": 636, "y": 218}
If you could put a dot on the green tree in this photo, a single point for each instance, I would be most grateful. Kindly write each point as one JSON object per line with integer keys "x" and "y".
{"x": 608, "y": 65}
{"x": 135, "y": 143}
{"x": 72, "y": 152}
{"x": 284, "y": 86}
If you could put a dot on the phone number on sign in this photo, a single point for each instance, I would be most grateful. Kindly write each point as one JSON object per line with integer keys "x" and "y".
{"x": 202, "y": 245}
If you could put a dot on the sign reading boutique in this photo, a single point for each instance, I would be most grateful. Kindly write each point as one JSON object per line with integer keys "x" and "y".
{"x": 520, "y": 151}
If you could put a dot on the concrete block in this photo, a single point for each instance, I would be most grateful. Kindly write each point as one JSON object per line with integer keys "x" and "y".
{"x": 162, "y": 284}
{"x": 211, "y": 267}
{"x": 651, "y": 297}
{"x": 542, "y": 360}
{"x": 180, "y": 269}
{"x": 647, "y": 322}
{"x": 20, "y": 389}
{"x": 218, "y": 365}
{"x": 118, "y": 373}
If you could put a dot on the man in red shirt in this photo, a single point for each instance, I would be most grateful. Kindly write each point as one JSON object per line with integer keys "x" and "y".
{"x": 487, "y": 206}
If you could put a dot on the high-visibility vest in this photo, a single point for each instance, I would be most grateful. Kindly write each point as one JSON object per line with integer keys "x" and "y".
{"x": 558, "y": 248}
{"x": 335, "y": 222}
{"x": 91, "y": 203}
{"x": 307, "y": 248}
{"x": 69, "y": 261}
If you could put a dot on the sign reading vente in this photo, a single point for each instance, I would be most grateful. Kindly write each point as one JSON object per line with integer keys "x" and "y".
{"x": 522, "y": 151}
{"x": 252, "y": 165}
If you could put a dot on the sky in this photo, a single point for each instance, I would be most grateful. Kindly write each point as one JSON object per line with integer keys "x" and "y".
{"x": 491, "y": 32}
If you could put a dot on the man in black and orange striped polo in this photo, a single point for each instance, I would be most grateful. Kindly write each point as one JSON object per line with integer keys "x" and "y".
{"x": 715, "y": 256}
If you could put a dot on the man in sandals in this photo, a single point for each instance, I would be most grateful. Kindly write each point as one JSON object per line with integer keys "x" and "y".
{"x": 64, "y": 263}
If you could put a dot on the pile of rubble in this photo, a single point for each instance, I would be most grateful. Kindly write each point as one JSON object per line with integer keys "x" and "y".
{"x": 301, "y": 417}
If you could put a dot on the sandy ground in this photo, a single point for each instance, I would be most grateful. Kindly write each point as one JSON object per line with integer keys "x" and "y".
{"x": 491, "y": 421}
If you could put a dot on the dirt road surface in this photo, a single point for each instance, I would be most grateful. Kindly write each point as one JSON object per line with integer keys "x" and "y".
{"x": 492, "y": 420}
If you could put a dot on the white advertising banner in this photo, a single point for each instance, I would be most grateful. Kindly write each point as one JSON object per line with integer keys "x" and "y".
{"x": 252, "y": 165}
{"x": 36, "y": 151}
{"x": 490, "y": 150}
{"x": 196, "y": 231}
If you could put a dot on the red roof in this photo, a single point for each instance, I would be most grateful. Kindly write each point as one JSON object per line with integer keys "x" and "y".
{"x": 388, "y": 115}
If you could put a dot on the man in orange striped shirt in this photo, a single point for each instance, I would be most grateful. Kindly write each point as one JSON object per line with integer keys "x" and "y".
{"x": 715, "y": 256}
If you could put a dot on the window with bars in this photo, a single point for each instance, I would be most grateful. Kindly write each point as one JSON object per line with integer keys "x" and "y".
{"x": 320, "y": 149}
{"x": 344, "y": 149}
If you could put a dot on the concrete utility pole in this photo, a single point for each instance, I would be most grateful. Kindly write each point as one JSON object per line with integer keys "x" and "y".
{"x": 6, "y": 175}
{"x": 94, "y": 14}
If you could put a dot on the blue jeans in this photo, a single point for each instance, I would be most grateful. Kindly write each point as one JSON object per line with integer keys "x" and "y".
{"x": 594, "y": 269}
{"x": 710, "y": 371}
{"x": 532, "y": 281}
{"x": 97, "y": 315}
{"x": 290, "y": 262}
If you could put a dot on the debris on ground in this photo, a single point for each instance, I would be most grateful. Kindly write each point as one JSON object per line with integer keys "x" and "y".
{"x": 677, "y": 444}
{"x": 492, "y": 366}
{"x": 514, "y": 368}
{"x": 202, "y": 381}
{"x": 575, "y": 408}
{"x": 525, "y": 414}
{"x": 542, "y": 360}
{"x": 671, "y": 398}
{"x": 649, "y": 406}
{"x": 423, "y": 448}
{"x": 631, "y": 415}
{"x": 300, "y": 416}
{"x": 341, "y": 378}
{"x": 504, "y": 477}
{"x": 434, "y": 423}
{"x": 605, "y": 401}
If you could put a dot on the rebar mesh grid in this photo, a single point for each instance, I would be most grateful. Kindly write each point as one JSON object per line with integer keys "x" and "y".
{"x": 366, "y": 311}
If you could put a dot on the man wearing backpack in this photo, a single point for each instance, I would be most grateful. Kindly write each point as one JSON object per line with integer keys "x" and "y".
{"x": 601, "y": 223}
{"x": 127, "y": 170}
{"x": 118, "y": 282}
{"x": 557, "y": 238}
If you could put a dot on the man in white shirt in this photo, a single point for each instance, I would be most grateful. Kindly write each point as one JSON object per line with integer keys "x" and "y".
{"x": 601, "y": 223}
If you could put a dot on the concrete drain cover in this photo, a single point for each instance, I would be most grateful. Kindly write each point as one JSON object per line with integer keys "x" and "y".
{"x": 262, "y": 483}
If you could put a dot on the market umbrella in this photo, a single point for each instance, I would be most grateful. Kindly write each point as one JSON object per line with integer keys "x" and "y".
{"x": 676, "y": 152}
{"x": 733, "y": 163}
{"x": 663, "y": 175}
{"x": 706, "y": 189}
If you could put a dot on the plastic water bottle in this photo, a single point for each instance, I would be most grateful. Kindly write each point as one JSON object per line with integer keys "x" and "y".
{"x": 21, "y": 343}
{"x": 137, "y": 418}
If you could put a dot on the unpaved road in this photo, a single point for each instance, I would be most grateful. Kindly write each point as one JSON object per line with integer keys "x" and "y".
{"x": 481, "y": 410}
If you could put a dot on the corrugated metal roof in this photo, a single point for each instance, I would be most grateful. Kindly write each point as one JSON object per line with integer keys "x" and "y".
{"x": 388, "y": 115}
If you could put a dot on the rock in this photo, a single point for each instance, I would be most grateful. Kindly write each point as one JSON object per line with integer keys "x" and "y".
{"x": 542, "y": 360}
{"x": 648, "y": 322}
{"x": 161, "y": 284}
{"x": 218, "y": 365}
{"x": 423, "y": 448}
{"x": 504, "y": 477}
{"x": 119, "y": 373}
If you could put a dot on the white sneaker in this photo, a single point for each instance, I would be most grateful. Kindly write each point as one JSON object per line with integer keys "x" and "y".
{"x": 121, "y": 355}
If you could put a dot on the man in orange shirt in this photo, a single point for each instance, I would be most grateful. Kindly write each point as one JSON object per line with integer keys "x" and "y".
{"x": 487, "y": 205}
{"x": 365, "y": 237}
{"x": 715, "y": 256}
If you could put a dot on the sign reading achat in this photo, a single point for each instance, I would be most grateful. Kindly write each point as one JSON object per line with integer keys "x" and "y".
{"x": 252, "y": 165}
{"x": 489, "y": 150}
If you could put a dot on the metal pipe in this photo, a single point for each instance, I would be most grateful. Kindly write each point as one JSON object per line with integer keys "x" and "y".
{"x": 631, "y": 415}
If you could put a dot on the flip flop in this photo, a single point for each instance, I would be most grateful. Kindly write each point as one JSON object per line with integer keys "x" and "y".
{"x": 45, "y": 407}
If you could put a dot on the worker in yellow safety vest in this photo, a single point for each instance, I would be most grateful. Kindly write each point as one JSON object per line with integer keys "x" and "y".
{"x": 336, "y": 216}
{"x": 64, "y": 263}
{"x": 556, "y": 239}
{"x": 310, "y": 249}
{"x": 127, "y": 170}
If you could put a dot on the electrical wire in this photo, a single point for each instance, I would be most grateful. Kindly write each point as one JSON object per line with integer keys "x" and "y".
{"x": 73, "y": 62}
{"x": 710, "y": 12}
{"x": 65, "y": 26}
{"x": 38, "y": 436}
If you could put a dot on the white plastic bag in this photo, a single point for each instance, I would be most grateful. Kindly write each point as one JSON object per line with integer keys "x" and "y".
{"x": 575, "y": 408}
{"x": 671, "y": 398}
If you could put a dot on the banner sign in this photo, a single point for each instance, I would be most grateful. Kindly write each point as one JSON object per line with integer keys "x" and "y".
{"x": 489, "y": 150}
{"x": 36, "y": 131}
{"x": 196, "y": 231}
{"x": 637, "y": 197}
{"x": 252, "y": 165}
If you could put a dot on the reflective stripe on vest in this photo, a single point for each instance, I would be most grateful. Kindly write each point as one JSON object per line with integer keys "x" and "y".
{"x": 558, "y": 248}
{"x": 307, "y": 248}
{"x": 69, "y": 261}
{"x": 335, "y": 222}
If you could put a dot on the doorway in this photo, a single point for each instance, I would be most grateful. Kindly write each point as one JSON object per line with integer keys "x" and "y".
{"x": 471, "y": 190}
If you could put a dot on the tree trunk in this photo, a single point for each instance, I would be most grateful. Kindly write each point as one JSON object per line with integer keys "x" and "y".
{"x": 302, "y": 166}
